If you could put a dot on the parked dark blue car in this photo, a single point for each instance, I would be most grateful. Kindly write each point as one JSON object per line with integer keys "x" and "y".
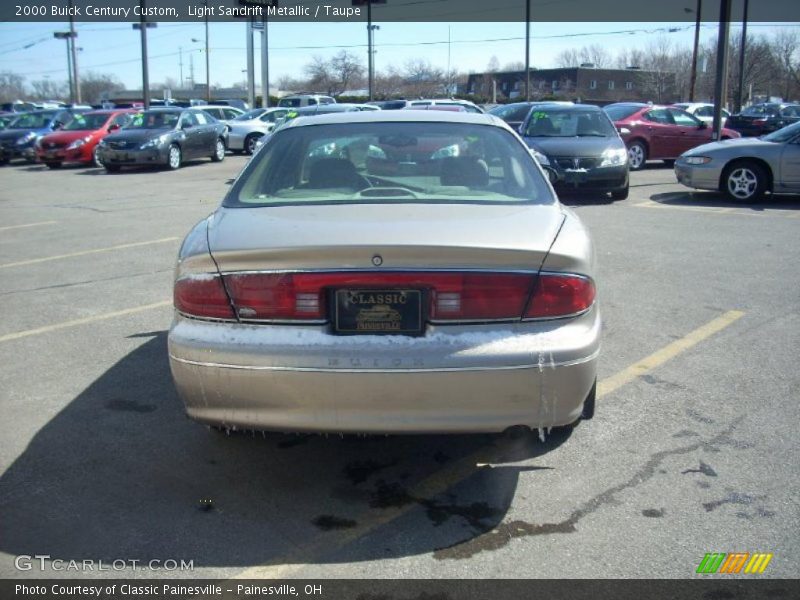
{"x": 19, "y": 137}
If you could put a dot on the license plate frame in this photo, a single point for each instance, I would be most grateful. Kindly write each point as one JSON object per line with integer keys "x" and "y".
{"x": 384, "y": 311}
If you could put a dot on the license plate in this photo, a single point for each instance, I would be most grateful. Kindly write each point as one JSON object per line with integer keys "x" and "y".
{"x": 371, "y": 311}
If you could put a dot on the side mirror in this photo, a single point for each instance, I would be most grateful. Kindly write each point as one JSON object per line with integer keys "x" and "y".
{"x": 552, "y": 174}
{"x": 57, "y": 125}
{"x": 113, "y": 127}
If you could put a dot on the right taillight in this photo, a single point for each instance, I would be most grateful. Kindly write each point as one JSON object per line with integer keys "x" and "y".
{"x": 202, "y": 296}
{"x": 560, "y": 295}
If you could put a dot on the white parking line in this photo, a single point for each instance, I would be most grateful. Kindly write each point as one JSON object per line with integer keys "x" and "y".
{"x": 101, "y": 317}
{"x": 40, "y": 223}
{"x": 34, "y": 261}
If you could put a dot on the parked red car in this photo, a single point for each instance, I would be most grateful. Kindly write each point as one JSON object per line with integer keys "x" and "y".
{"x": 659, "y": 132}
{"x": 76, "y": 142}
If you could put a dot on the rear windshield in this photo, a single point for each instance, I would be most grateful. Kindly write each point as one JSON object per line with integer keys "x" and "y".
{"x": 760, "y": 110}
{"x": 89, "y": 121}
{"x": 617, "y": 113}
{"x": 400, "y": 162}
{"x": 568, "y": 123}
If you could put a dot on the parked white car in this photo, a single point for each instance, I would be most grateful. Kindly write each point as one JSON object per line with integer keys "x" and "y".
{"x": 246, "y": 130}
{"x": 703, "y": 111}
{"x": 300, "y": 100}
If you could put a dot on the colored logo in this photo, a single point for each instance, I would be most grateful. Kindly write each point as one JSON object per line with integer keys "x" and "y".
{"x": 734, "y": 562}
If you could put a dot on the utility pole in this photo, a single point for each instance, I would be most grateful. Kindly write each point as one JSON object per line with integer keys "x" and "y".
{"x": 208, "y": 72}
{"x": 251, "y": 69}
{"x": 741, "y": 58}
{"x": 65, "y": 35}
{"x": 265, "y": 63}
{"x": 180, "y": 66}
{"x": 693, "y": 78}
{"x": 191, "y": 68}
{"x": 527, "y": 50}
{"x": 721, "y": 84}
{"x": 76, "y": 97}
{"x": 142, "y": 26}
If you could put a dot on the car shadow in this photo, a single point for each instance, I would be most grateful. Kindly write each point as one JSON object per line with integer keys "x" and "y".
{"x": 718, "y": 200}
{"x": 138, "y": 169}
{"x": 583, "y": 198}
{"x": 121, "y": 473}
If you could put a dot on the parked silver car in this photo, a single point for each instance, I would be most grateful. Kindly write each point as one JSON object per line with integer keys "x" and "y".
{"x": 245, "y": 131}
{"x": 392, "y": 272}
{"x": 223, "y": 114}
{"x": 745, "y": 168}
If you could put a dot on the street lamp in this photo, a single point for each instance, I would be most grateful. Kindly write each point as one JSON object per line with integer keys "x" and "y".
{"x": 143, "y": 26}
{"x": 208, "y": 74}
{"x": 68, "y": 36}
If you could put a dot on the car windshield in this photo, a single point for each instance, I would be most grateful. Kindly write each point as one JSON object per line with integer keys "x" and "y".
{"x": 399, "y": 162}
{"x": 568, "y": 123}
{"x": 88, "y": 121}
{"x": 783, "y": 135}
{"x": 250, "y": 114}
{"x": 760, "y": 110}
{"x": 156, "y": 119}
{"x": 31, "y": 121}
{"x": 617, "y": 113}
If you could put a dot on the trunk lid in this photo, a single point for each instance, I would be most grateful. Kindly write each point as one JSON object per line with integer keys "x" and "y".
{"x": 405, "y": 236}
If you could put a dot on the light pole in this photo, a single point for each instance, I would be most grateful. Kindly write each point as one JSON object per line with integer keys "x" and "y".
{"x": 67, "y": 36}
{"x": 527, "y": 50}
{"x": 208, "y": 77}
{"x": 741, "y": 59}
{"x": 143, "y": 26}
{"x": 71, "y": 42}
{"x": 693, "y": 77}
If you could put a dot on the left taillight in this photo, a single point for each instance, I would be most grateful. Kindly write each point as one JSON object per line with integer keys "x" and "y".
{"x": 560, "y": 295}
{"x": 202, "y": 296}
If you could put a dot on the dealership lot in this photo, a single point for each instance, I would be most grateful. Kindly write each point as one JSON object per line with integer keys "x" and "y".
{"x": 693, "y": 448}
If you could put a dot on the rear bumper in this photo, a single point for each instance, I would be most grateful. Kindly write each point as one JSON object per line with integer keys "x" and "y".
{"x": 455, "y": 379}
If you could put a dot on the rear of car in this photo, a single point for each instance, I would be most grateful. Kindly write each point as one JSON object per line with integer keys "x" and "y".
{"x": 301, "y": 100}
{"x": 761, "y": 119}
{"x": 387, "y": 274}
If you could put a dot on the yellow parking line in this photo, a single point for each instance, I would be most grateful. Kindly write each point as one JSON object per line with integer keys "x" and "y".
{"x": 658, "y": 358}
{"x": 34, "y": 261}
{"x": 101, "y": 317}
{"x": 7, "y": 227}
{"x": 444, "y": 479}
{"x": 721, "y": 210}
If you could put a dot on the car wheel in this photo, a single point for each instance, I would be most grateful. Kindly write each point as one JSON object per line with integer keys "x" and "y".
{"x": 637, "y": 156}
{"x": 250, "y": 143}
{"x": 96, "y": 158}
{"x": 589, "y": 403}
{"x": 219, "y": 151}
{"x": 53, "y": 165}
{"x": 174, "y": 157}
{"x": 620, "y": 194}
{"x": 744, "y": 182}
{"x": 112, "y": 168}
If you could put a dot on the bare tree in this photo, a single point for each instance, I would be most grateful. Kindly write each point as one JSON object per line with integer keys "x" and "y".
{"x": 423, "y": 79}
{"x": 346, "y": 70}
{"x": 595, "y": 54}
{"x": 568, "y": 58}
{"x": 12, "y": 86}
{"x": 319, "y": 75}
{"x": 46, "y": 89}
{"x": 94, "y": 86}
{"x": 786, "y": 50}
{"x": 493, "y": 65}
{"x": 516, "y": 65}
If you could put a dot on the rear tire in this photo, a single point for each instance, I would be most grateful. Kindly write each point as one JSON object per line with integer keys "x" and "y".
{"x": 53, "y": 165}
{"x": 620, "y": 194}
{"x": 744, "y": 181}
{"x": 96, "y": 158}
{"x": 637, "y": 155}
{"x": 250, "y": 143}
{"x": 219, "y": 151}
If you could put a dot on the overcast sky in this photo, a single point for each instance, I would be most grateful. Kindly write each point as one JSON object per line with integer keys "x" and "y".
{"x": 114, "y": 48}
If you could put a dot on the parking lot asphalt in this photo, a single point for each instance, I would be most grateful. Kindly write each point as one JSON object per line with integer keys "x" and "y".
{"x": 693, "y": 448}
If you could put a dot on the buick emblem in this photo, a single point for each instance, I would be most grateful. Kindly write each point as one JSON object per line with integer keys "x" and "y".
{"x": 377, "y": 260}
